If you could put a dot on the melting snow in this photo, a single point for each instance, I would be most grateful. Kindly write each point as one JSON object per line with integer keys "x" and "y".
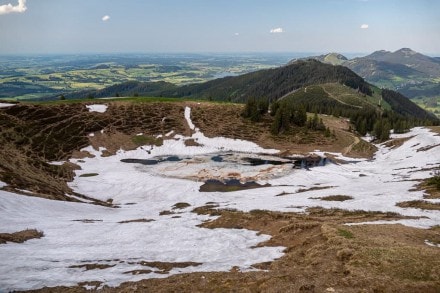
{"x": 97, "y": 108}
{"x": 141, "y": 193}
{"x": 6, "y": 105}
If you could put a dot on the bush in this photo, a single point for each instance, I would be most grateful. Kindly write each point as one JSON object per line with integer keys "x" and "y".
{"x": 435, "y": 181}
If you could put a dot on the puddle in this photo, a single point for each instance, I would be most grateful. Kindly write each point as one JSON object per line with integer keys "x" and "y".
{"x": 229, "y": 185}
{"x": 152, "y": 161}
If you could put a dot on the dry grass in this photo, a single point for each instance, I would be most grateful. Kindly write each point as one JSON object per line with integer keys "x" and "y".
{"x": 137, "y": 221}
{"x": 181, "y": 205}
{"x": 166, "y": 267}
{"x": 419, "y": 204}
{"x": 397, "y": 142}
{"x": 21, "y": 236}
{"x": 301, "y": 190}
{"x": 91, "y": 266}
{"x": 335, "y": 198}
{"x": 192, "y": 142}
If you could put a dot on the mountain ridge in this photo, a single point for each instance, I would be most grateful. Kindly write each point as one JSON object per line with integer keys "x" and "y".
{"x": 405, "y": 70}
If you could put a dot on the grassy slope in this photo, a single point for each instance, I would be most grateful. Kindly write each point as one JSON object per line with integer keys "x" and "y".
{"x": 336, "y": 95}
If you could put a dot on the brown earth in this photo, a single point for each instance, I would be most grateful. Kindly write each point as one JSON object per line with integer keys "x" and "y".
{"x": 419, "y": 204}
{"x": 21, "y": 236}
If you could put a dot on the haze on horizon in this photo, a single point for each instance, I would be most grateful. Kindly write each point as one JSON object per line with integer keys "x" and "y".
{"x": 113, "y": 26}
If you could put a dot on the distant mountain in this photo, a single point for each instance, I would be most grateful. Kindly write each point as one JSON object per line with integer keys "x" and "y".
{"x": 407, "y": 57}
{"x": 409, "y": 72}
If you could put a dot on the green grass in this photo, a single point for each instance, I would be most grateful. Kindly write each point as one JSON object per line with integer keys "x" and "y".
{"x": 345, "y": 234}
{"x": 435, "y": 181}
{"x": 146, "y": 140}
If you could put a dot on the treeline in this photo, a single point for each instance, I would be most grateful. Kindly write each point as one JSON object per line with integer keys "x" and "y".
{"x": 403, "y": 106}
{"x": 286, "y": 114}
{"x": 126, "y": 89}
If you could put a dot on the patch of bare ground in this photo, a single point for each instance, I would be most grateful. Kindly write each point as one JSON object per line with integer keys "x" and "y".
{"x": 166, "y": 267}
{"x": 335, "y": 198}
{"x": 20, "y": 236}
{"x": 397, "y": 142}
{"x": 136, "y": 221}
{"x": 192, "y": 142}
{"x": 166, "y": 213}
{"x": 301, "y": 190}
{"x": 87, "y": 221}
{"x": 419, "y": 204}
{"x": 322, "y": 255}
{"x": 139, "y": 272}
{"x": 91, "y": 266}
{"x": 431, "y": 190}
{"x": 427, "y": 148}
{"x": 181, "y": 205}
{"x": 435, "y": 129}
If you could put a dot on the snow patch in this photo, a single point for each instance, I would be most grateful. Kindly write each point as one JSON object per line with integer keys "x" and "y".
{"x": 188, "y": 118}
{"x": 97, "y": 108}
{"x": 6, "y": 105}
{"x": 56, "y": 163}
{"x": 429, "y": 243}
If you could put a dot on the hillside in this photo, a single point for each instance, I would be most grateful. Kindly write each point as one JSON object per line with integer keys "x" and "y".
{"x": 33, "y": 135}
{"x": 273, "y": 84}
{"x": 413, "y": 74}
{"x": 409, "y": 58}
{"x": 143, "y": 185}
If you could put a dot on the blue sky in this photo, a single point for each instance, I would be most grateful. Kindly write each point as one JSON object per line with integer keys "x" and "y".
{"x": 84, "y": 26}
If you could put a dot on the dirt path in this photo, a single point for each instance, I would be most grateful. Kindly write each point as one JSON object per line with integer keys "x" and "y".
{"x": 288, "y": 94}
{"x": 350, "y": 147}
{"x": 342, "y": 102}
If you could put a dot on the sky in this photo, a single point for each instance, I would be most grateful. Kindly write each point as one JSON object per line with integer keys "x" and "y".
{"x": 143, "y": 26}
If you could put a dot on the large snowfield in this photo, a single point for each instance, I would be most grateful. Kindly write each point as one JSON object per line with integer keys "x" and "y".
{"x": 79, "y": 233}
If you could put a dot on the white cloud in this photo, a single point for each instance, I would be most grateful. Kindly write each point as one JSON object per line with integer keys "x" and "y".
{"x": 277, "y": 30}
{"x": 236, "y": 34}
{"x": 105, "y": 17}
{"x": 364, "y": 26}
{"x": 9, "y": 8}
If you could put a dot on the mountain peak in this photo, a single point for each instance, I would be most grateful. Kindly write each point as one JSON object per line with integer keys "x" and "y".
{"x": 405, "y": 51}
{"x": 377, "y": 54}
